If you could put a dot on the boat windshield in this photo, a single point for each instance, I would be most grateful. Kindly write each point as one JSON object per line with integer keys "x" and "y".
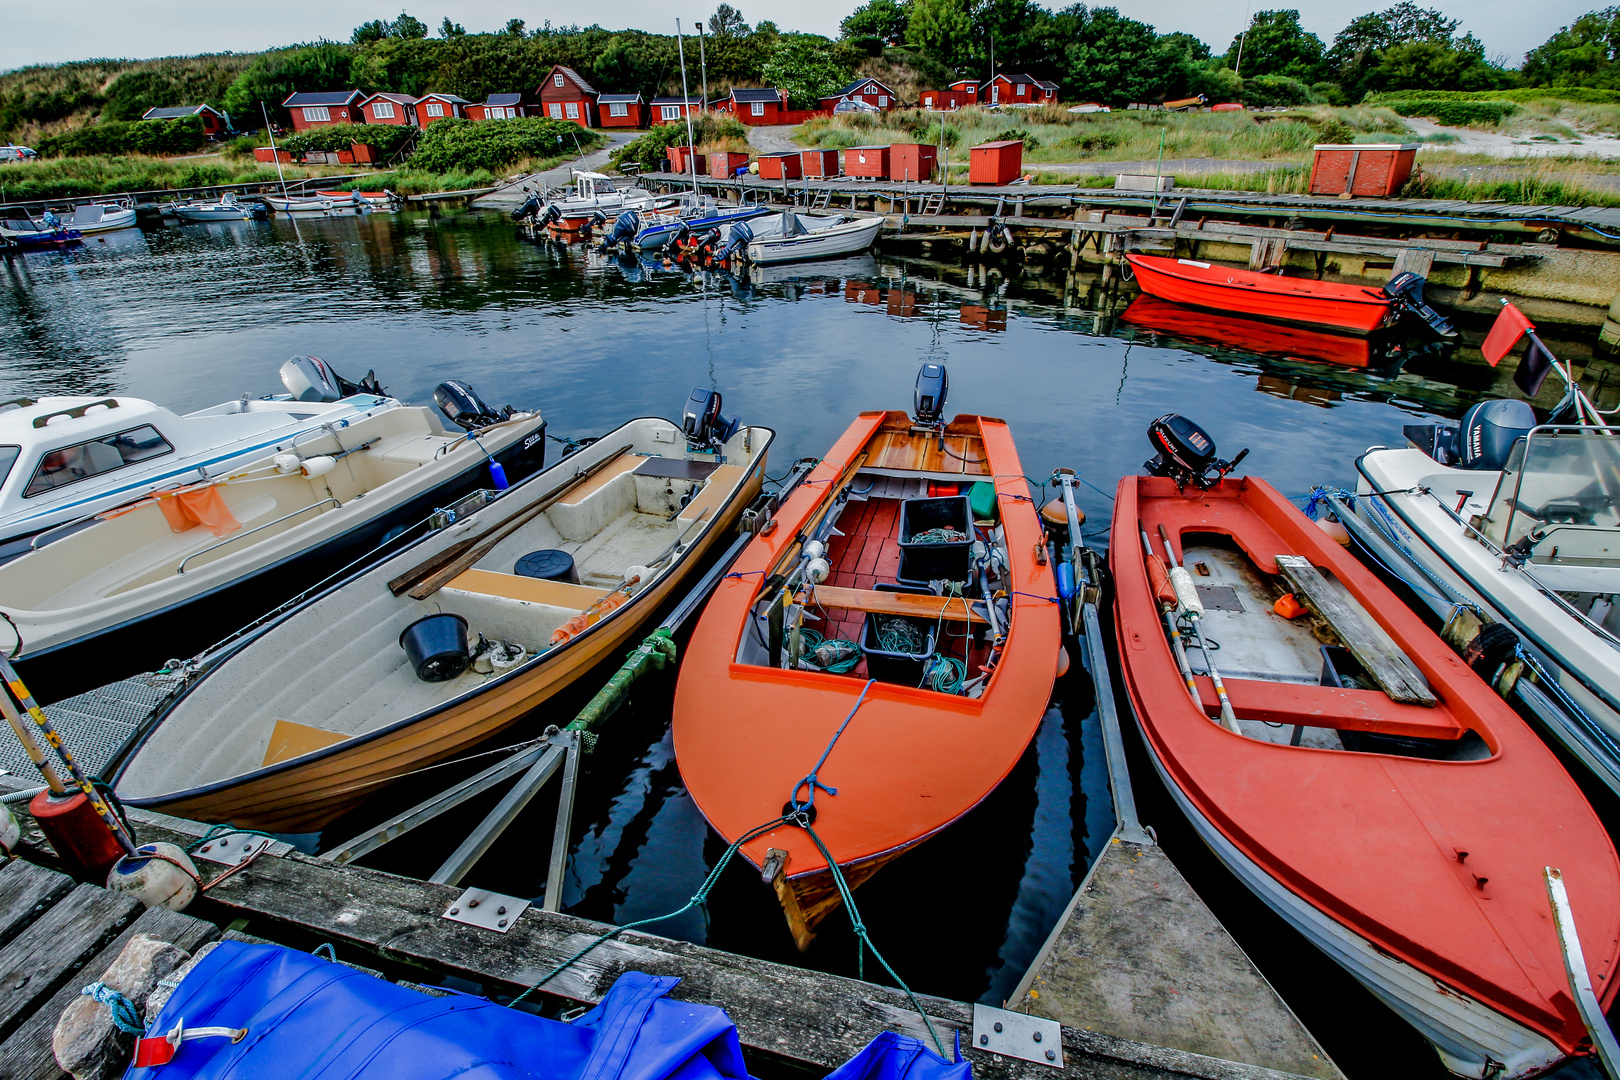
{"x": 1559, "y": 498}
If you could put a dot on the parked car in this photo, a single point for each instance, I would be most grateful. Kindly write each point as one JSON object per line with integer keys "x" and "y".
{"x": 855, "y": 105}
{"x": 16, "y": 153}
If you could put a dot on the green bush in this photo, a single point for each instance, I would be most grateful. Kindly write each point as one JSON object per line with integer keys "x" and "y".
{"x": 1455, "y": 113}
{"x": 241, "y": 147}
{"x": 386, "y": 139}
{"x": 496, "y": 145}
{"x": 1580, "y": 95}
{"x": 648, "y": 150}
{"x": 1018, "y": 135}
{"x": 127, "y": 137}
{"x": 1264, "y": 91}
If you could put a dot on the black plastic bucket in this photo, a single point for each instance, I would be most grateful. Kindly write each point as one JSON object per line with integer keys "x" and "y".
{"x": 436, "y": 646}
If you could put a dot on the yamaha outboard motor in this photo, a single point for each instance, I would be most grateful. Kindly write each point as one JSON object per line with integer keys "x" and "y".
{"x": 461, "y": 403}
{"x": 1405, "y": 292}
{"x": 928, "y": 401}
{"x": 705, "y": 428}
{"x": 1186, "y": 454}
{"x": 309, "y": 378}
{"x": 625, "y": 228}
{"x": 738, "y": 237}
{"x": 1489, "y": 431}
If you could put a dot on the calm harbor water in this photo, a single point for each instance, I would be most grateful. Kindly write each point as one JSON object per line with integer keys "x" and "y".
{"x": 192, "y": 315}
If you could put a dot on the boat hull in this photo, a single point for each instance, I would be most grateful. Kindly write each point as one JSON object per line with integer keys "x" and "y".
{"x": 831, "y": 244}
{"x": 1252, "y": 335}
{"x": 1299, "y": 301}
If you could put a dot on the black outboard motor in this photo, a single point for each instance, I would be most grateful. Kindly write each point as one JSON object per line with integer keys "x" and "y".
{"x": 928, "y": 401}
{"x": 1405, "y": 292}
{"x": 1186, "y": 453}
{"x": 309, "y": 378}
{"x": 530, "y": 207}
{"x": 705, "y": 428}
{"x": 624, "y": 228}
{"x": 738, "y": 237}
{"x": 461, "y": 403}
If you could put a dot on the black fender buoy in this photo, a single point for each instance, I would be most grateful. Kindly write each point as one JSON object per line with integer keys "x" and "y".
{"x": 1492, "y": 647}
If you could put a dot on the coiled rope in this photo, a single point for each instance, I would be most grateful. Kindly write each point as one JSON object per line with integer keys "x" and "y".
{"x": 124, "y": 1016}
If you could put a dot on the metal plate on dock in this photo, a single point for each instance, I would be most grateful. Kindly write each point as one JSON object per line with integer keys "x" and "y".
{"x": 232, "y": 848}
{"x": 490, "y": 910}
{"x": 1018, "y": 1035}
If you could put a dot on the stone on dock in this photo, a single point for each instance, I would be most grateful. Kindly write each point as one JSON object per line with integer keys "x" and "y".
{"x": 1139, "y": 956}
{"x": 86, "y": 1042}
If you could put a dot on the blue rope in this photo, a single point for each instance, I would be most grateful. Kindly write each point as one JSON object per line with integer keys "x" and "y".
{"x": 1037, "y": 596}
{"x": 794, "y": 805}
{"x": 124, "y": 1016}
{"x": 744, "y": 573}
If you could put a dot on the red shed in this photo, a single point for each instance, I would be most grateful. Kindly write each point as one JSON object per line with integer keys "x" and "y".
{"x": 762, "y": 106}
{"x": 779, "y": 167}
{"x": 960, "y": 93}
{"x": 912, "y": 162}
{"x": 622, "y": 110}
{"x": 396, "y": 109}
{"x": 502, "y": 107}
{"x": 866, "y": 90}
{"x": 867, "y": 161}
{"x": 724, "y": 164}
{"x": 996, "y": 162}
{"x": 1021, "y": 90}
{"x": 214, "y": 122}
{"x": 431, "y": 107}
{"x": 819, "y": 162}
{"x": 669, "y": 110}
{"x": 566, "y": 96}
{"x": 680, "y": 158}
{"x": 324, "y": 107}
{"x": 1375, "y": 170}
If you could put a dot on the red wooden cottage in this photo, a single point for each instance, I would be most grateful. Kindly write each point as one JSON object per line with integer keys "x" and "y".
{"x": 565, "y": 95}
{"x": 667, "y": 110}
{"x": 214, "y": 122}
{"x": 431, "y": 107}
{"x": 869, "y": 91}
{"x": 503, "y": 107}
{"x": 1021, "y": 90}
{"x": 955, "y": 96}
{"x": 762, "y": 106}
{"x": 397, "y": 109}
{"x": 622, "y": 110}
{"x": 318, "y": 108}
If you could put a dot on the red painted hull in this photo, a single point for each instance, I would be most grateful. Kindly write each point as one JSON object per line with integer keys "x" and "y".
{"x": 1301, "y": 301}
{"x": 1290, "y": 342}
{"x": 1371, "y": 840}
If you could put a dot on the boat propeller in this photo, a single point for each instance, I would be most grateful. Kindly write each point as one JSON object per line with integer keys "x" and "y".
{"x": 1186, "y": 454}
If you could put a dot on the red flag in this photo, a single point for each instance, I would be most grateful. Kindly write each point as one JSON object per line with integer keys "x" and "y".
{"x": 1505, "y": 333}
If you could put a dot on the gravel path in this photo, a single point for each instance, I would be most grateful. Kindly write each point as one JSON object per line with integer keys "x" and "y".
{"x": 775, "y": 139}
{"x": 513, "y": 194}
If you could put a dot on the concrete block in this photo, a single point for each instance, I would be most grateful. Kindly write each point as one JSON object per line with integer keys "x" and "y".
{"x": 1143, "y": 182}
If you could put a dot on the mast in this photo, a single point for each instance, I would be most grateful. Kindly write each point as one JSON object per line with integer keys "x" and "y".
{"x": 686, "y": 107}
{"x": 268, "y": 130}
{"x": 703, "y": 66}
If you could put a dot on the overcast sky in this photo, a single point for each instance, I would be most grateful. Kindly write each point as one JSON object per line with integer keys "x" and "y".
{"x": 40, "y": 33}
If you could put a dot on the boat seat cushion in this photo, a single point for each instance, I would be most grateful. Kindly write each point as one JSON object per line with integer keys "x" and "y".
{"x": 531, "y": 590}
{"x": 412, "y": 450}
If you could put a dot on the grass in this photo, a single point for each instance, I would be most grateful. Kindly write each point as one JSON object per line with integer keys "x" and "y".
{"x": 1549, "y": 183}
{"x": 74, "y": 177}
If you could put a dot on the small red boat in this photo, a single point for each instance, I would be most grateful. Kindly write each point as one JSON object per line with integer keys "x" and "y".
{"x": 1251, "y": 335}
{"x": 940, "y": 723}
{"x": 1301, "y": 301}
{"x": 1404, "y": 831}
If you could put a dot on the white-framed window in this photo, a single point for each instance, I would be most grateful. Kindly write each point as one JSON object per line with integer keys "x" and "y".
{"x": 572, "y": 109}
{"x": 317, "y": 114}
{"x": 669, "y": 112}
{"x": 1021, "y": 89}
{"x": 618, "y": 108}
{"x": 382, "y": 110}
{"x": 883, "y": 101}
{"x": 557, "y": 79}
{"x": 555, "y": 108}
{"x": 433, "y": 108}
{"x": 756, "y": 108}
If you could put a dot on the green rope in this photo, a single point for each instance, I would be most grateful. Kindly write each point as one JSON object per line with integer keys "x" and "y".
{"x": 942, "y": 535}
{"x": 901, "y": 635}
{"x": 216, "y": 831}
{"x": 946, "y": 674}
{"x": 835, "y": 655}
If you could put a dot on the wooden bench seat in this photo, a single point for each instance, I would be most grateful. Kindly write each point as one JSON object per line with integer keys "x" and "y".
{"x": 561, "y": 594}
{"x": 610, "y": 472}
{"x": 916, "y": 605}
{"x": 1298, "y": 705}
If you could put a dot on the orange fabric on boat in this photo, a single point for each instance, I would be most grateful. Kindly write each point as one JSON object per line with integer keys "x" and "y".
{"x": 588, "y": 618}
{"x": 190, "y": 507}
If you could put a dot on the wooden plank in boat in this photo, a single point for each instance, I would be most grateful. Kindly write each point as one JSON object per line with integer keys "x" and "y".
{"x": 26, "y": 1055}
{"x": 951, "y": 608}
{"x": 667, "y": 468}
{"x": 1365, "y": 639}
{"x": 721, "y": 483}
{"x": 1291, "y": 704}
{"x": 562, "y": 594}
{"x": 613, "y": 470}
{"x": 39, "y": 961}
{"x": 289, "y": 740}
{"x": 26, "y": 892}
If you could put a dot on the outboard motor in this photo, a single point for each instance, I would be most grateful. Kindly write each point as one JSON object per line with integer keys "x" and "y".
{"x": 624, "y": 228}
{"x": 309, "y": 378}
{"x": 1186, "y": 453}
{"x": 461, "y": 403}
{"x": 1489, "y": 431}
{"x": 1405, "y": 292}
{"x": 928, "y": 401}
{"x": 701, "y": 420}
{"x": 738, "y": 237}
{"x": 530, "y": 207}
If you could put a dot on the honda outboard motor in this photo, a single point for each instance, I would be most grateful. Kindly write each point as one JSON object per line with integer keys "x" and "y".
{"x": 1405, "y": 292}
{"x": 624, "y": 228}
{"x": 928, "y": 401}
{"x": 739, "y": 236}
{"x": 701, "y": 420}
{"x": 309, "y": 378}
{"x": 461, "y": 403}
{"x": 1186, "y": 453}
{"x": 1489, "y": 431}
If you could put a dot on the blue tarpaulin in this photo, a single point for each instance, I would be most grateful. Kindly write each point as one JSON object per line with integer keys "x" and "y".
{"x": 310, "y": 1019}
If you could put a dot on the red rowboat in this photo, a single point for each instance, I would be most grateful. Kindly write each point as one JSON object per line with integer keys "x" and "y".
{"x": 1251, "y": 335}
{"x": 749, "y": 725}
{"x": 1414, "y": 860}
{"x": 1301, "y": 301}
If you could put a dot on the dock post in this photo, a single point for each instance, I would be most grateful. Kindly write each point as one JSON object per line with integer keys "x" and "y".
{"x": 565, "y": 821}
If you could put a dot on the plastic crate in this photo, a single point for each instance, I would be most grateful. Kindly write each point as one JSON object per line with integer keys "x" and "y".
{"x": 895, "y": 667}
{"x": 935, "y": 562}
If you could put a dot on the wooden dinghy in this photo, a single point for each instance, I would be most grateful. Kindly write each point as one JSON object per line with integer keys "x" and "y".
{"x": 302, "y": 722}
{"x": 753, "y": 712}
{"x": 1378, "y": 796}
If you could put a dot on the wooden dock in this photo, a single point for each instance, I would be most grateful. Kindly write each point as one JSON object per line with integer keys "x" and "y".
{"x": 56, "y": 936}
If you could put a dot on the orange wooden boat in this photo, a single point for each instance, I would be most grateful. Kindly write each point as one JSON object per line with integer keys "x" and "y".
{"x": 1302, "y": 301}
{"x": 749, "y": 725}
{"x": 1407, "y": 839}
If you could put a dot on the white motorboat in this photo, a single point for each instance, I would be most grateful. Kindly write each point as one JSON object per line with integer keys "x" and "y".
{"x": 225, "y": 208}
{"x": 312, "y": 204}
{"x": 792, "y": 236}
{"x": 171, "y": 573}
{"x": 90, "y": 218}
{"x": 592, "y": 194}
{"x": 1509, "y": 530}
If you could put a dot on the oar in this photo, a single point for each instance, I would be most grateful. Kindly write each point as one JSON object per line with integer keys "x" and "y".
{"x": 1187, "y": 595}
{"x": 35, "y": 754}
{"x": 1170, "y": 625}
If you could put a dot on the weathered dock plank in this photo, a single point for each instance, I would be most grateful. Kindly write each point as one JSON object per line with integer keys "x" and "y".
{"x": 1139, "y": 955}
{"x": 38, "y": 961}
{"x": 26, "y": 1054}
{"x": 27, "y": 892}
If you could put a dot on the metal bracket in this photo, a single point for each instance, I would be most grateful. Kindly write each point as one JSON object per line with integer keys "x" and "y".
{"x": 1018, "y": 1035}
{"x": 232, "y": 849}
{"x": 489, "y": 910}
